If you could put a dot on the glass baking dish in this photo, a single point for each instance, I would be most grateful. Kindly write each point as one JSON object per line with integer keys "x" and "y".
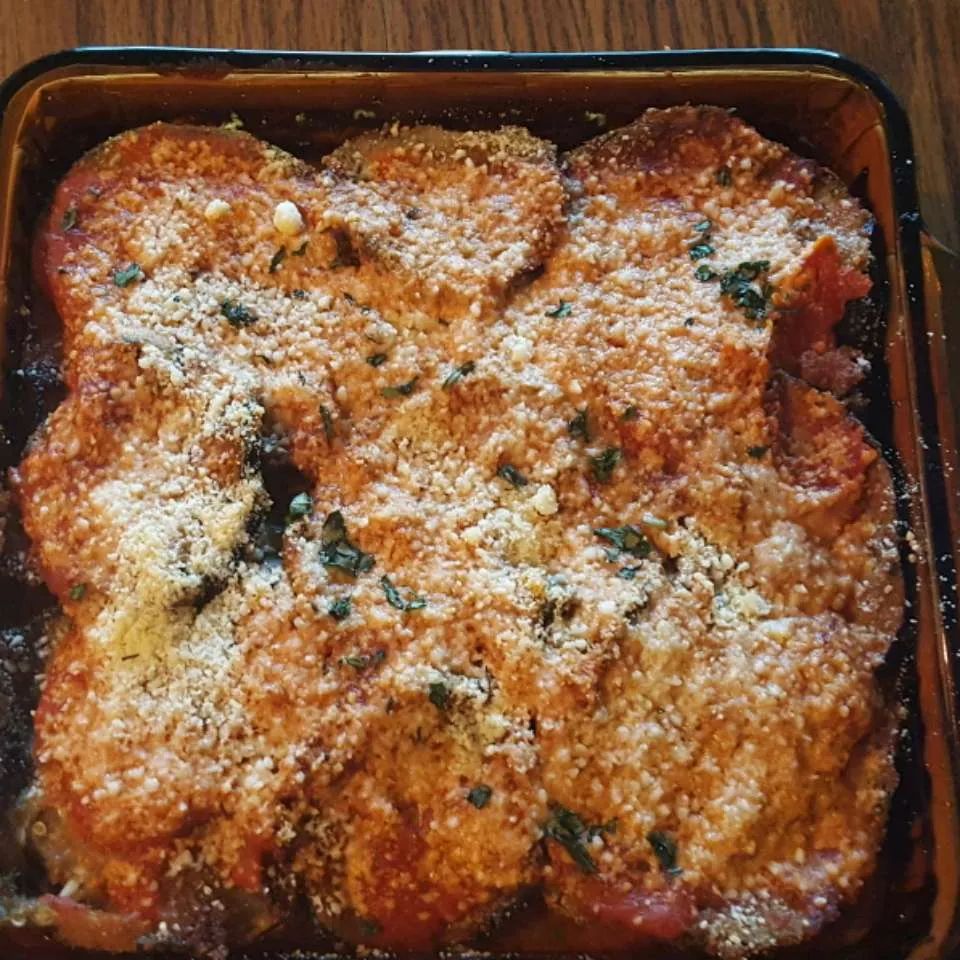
{"x": 819, "y": 104}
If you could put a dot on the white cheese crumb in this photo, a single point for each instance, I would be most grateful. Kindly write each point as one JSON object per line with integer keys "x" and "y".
{"x": 287, "y": 219}
{"x": 216, "y": 209}
{"x": 544, "y": 500}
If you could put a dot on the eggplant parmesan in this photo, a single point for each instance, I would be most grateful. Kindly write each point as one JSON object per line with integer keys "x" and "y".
{"x": 451, "y": 525}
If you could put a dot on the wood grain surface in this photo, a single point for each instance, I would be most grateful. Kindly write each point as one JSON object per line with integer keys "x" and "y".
{"x": 913, "y": 44}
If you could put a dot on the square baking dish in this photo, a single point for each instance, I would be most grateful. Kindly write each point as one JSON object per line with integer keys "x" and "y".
{"x": 820, "y": 105}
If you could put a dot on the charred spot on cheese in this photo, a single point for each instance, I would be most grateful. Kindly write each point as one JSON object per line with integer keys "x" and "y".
{"x": 400, "y": 390}
{"x": 665, "y": 848}
{"x": 338, "y": 552}
{"x": 396, "y": 599}
{"x": 630, "y": 414}
{"x": 301, "y": 251}
{"x": 689, "y": 322}
{"x": 237, "y": 314}
{"x": 345, "y": 255}
{"x": 512, "y": 475}
{"x": 603, "y": 464}
{"x": 724, "y": 176}
{"x": 758, "y": 453}
{"x": 126, "y": 275}
{"x": 579, "y": 426}
{"x": 626, "y": 539}
{"x": 480, "y": 795}
{"x": 563, "y": 309}
{"x": 377, "y": 359}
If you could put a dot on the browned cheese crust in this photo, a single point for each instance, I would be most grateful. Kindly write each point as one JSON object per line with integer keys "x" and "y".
{"x": 682, "y": 703}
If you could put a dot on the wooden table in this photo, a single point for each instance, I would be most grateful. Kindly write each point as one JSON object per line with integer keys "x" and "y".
{"x": 914, "y": 44}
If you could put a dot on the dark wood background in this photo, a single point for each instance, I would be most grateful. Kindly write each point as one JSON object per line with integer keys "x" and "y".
{"x": 913, "y": 44}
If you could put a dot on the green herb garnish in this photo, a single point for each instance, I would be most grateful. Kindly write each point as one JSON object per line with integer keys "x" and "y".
{"x": 704, "y": 226}
{"x": 299, "y": 507}
{"x": 705, "y": 272}
{"x": 69, "y": 220}
{"x": 377, "y": 359}
{"x": 396, "y": 599}
{"x": 563, "y": 309}
{"x": 401, "y": 390}
{"x": 277, "y": 259}
{"x": 758, "y": 453}
{"x": 579, "y": 426}
{"x": 341, "y": 608}
{"x": 327, "y": 418}
{"x": 700, "y": 250}
{"x": 458, "y": 373}
{"x": 302, "y": 249}
{"x": 337, "y": 551}
{"x": 628, "y": 573}
{"x": 605, "y": 463}
{"x": 512, "y": 475}
{"x": 127, "y": 275}
{"x": 569, "y": 830}
{"x": 237, "y": 314}
{"x": 736, "y": 284}
{"x": 630, "y": 414}
{"x": 627, "y": 538}
{"x": 724, "y": 177}
{"x": 360, "y": 661}
{"x": 439, "y": 695}
{"x": 480, "y": 795}
{"x": 78, "y": 591}
{"x": 665, "y": 847}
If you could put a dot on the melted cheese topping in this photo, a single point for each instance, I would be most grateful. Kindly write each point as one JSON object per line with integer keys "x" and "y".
{"x": 400, "y": 737}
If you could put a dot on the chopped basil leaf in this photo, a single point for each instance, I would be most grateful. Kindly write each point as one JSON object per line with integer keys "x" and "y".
{"x": 78, "y": 591}
{"x": 327, "y": 418}
{"x": 337, "y": 551}
{"x": 299, "y": 294}
{"x": 302, "y": 249}
{"x": 127, "y": 275}
{"x": 579, "y": 426}
{"x": 395, "y": 598}
{"x": 665, "y": 847}
{"x": 360, "y": 661}
{"x": 480, "y": 795}
{"x": 402, "y": 390}
{"x": 628, "y": 573}
{"x": 626, "y": 538}
{"x": 69, "y": 220}
{"x": 758, "y": 453}
{"x": 736, "y": 285}
{"x": 569, "y": 830}
{"x": 277, "y": 259}
{"x": 724, "y": 177}
{"x": 512, "y": 475}
{"x": 458, "y": 373}
{"x": 340, "y": 608}
{"x": 630, "y": 414}
{"x": 705, "y": 272}
{"x": 700, "y": 250}
{"x": 563, "y": 309}
{"x": 299, "y": 507}
{"x": 704, "y": 226}
{"x": 237, "y": 314}
{"x": 377, "y": 359}
{"x": 605, "y": 463}
{"x": 439, "y": 695}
